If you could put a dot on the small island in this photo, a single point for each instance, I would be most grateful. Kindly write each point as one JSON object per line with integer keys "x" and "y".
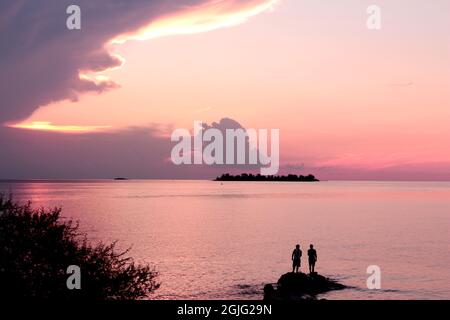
{"x": 259, "y": 177}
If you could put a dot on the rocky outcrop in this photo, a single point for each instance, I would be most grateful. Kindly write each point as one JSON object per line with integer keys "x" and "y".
{"x": 300, "y": 286}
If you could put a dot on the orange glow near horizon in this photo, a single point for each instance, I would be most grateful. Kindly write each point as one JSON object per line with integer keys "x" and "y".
{"x": 48, "y": 126}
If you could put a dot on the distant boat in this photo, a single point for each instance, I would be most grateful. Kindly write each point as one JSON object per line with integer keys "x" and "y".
{"x": 120, "y": 179}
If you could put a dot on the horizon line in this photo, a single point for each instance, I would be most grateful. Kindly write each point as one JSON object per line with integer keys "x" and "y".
{"x": 199, "y": 179}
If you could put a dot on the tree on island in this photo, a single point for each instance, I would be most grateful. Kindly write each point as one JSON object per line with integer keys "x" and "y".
{"x": 37, "y": 246}
{"x": 259, "y": 177}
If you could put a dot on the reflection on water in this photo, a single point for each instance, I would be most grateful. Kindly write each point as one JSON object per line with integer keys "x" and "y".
{"x": 213, "y": 240}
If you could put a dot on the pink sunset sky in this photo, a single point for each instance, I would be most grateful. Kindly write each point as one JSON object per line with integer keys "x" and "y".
{"x": 350, "y": 103}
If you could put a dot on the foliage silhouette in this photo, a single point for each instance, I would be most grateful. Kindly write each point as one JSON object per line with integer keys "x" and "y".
{"x": 37, "y": 246}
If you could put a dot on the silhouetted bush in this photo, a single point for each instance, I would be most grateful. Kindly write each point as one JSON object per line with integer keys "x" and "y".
{"x": 37, "y": 246}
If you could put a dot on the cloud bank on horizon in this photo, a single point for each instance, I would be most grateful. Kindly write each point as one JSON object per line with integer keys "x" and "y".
{"x": 142, "y": 153}
{"x": 44, "y": 62}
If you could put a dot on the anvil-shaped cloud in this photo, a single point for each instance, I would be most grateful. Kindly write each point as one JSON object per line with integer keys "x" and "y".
{"x": 41, "y": 61}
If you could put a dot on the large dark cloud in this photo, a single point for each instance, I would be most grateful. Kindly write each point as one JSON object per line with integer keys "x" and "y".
{"x": 40, "y": 58}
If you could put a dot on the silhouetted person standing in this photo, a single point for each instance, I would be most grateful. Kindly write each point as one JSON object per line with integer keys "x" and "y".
{"x": 296, "y": 256}
{"x": 312, "y": 258}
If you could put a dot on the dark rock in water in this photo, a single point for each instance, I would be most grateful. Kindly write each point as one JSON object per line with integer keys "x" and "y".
{"x": 300, "y": 286}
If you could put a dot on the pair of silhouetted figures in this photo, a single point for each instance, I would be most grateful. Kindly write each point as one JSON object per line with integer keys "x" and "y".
{"x": 297, "y": 256}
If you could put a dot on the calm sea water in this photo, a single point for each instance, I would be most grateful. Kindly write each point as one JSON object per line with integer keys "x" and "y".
{"x": 212, "y": 240}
